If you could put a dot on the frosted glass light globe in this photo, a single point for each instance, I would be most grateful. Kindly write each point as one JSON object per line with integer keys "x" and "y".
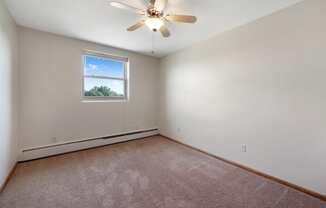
{"x": 154, "y": 23}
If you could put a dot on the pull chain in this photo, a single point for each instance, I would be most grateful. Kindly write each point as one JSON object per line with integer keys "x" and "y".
{"x": 153, "y": 43}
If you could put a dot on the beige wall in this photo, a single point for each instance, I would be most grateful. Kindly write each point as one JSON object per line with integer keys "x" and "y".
{"x": 51, "y": 83}
{"x": 263, "y": 85}
{"x": 8, "y": 93}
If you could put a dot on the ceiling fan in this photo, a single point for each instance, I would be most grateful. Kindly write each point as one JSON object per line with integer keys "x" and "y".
{"x": 154, "y": 16}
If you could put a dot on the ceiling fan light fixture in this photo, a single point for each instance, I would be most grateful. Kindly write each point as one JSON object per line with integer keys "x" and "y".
{"x": 153, "y": 16}
{"x": 154, "y": 24}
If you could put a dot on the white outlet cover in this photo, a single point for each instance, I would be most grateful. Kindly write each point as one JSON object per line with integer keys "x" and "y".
{"x": 244, "y": 148}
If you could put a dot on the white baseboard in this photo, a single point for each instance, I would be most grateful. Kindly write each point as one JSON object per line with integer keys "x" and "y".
{"x": 56, "y": 149}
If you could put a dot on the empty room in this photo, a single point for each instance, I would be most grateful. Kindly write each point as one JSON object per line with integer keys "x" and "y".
{"x": 163, "y": 104}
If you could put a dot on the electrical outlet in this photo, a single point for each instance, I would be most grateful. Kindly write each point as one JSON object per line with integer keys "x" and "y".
{"x": 244, "y": 148}
{"x": 54, "y": 139}
{"x": 178, "y": 130}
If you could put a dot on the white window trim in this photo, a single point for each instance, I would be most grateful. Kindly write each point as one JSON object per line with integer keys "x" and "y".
{"x": 125, "y": 79}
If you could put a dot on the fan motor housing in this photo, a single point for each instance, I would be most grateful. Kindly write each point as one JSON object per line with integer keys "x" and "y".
{"x": 153, "y": 13}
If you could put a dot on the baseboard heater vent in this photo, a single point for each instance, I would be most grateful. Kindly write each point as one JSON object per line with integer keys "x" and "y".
{"x": 65, "y": 147}
{"x": 89, "y": 140}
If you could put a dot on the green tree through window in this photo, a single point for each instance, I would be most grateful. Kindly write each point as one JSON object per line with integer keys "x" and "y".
{"x": 102, "y": 91}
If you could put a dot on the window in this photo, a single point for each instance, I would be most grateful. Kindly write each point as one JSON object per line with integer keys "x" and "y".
{"x": 105, "y": 77}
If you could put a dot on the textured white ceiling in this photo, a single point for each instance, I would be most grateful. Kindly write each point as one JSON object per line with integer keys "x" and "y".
{"x": 96, "y": 21}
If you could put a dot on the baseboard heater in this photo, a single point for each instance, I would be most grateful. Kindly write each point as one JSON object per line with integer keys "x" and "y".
{"x": 66, "y": 147}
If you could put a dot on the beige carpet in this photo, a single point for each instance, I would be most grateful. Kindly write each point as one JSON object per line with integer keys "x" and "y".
{"x": 147, "y": 173}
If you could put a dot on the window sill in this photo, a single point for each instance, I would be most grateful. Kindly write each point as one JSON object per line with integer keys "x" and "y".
{"x": 104, "y": 100}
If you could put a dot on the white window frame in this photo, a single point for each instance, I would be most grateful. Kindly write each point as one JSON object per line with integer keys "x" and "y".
{"x": 125, "y": 79}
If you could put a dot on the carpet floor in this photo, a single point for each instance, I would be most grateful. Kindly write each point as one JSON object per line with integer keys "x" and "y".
{"x": 147, "y": 173}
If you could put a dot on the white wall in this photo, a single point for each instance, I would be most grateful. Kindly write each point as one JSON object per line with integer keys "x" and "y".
{"x": 51, "y": 83}
{"x": 8, "y": 93}
{"x": 264, "y": 85}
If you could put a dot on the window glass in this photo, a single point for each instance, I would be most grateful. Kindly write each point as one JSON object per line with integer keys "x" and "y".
{"x": 98, "y": 66}
{"x": 104, "y": 77}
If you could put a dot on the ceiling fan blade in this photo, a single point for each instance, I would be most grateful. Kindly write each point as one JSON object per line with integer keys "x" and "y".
{"x": 160, "y": 4}
{"x": 181, "y": 18}
{"x": 126, "y": 7}
{"x": 165, "y": 31}
{"x": 136, "y": 26}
